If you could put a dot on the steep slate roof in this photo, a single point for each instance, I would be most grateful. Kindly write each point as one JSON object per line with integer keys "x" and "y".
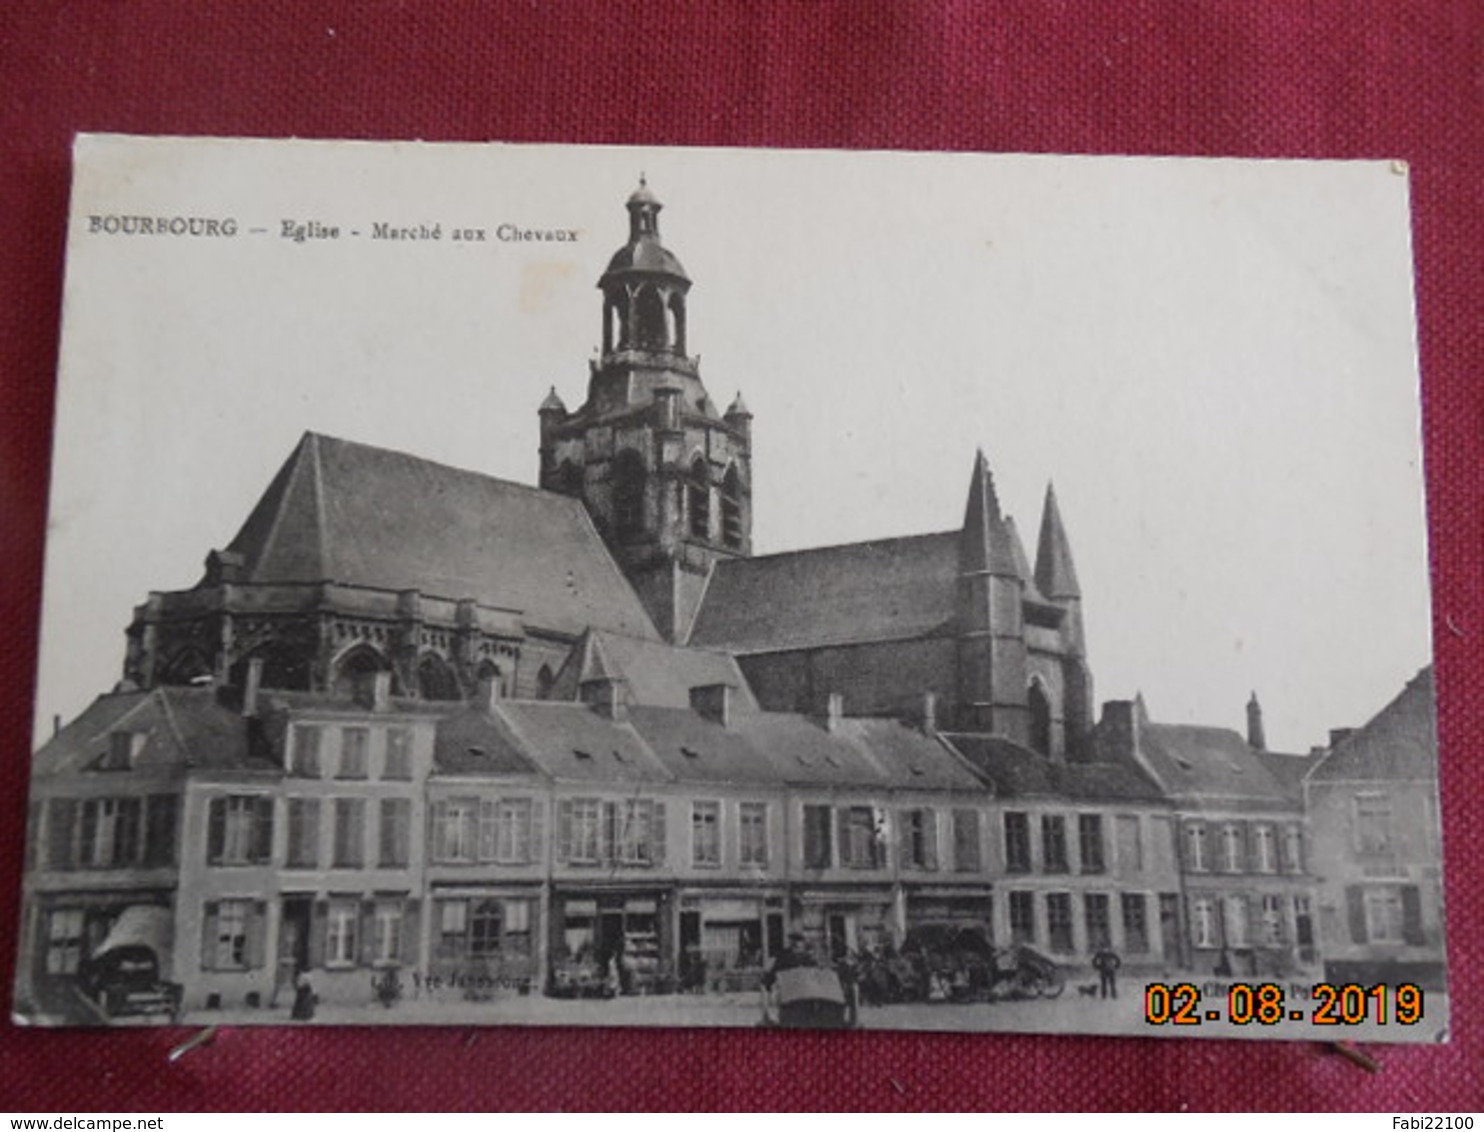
{"x": 573, "y": 742}
{"x": 859, "y": 753}
{"x": 358, "y": 515}
{"x": 658, "y": 674}
{"x": 1287, "y": 769}
{"x": 867, "y": 591}
{"x": 474, "y": 741}
{"x": 656, "y": 744}
{"x": 1399, "y": 744}
{"x": 184, "y": 727}
{"x": 1018, "y": 772}
{"x": 1210, "y": 763}
{"x": 695, "y": 749}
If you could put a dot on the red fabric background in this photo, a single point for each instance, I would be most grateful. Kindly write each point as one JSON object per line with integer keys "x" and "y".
{"x": 1327, "y": 78}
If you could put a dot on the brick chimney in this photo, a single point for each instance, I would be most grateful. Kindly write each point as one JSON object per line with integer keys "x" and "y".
{"x": 1118, "y": 731}
{"x": 929, "y": 712}
{"x": 830, "y": 710}
{"x": 251, "y": 685}
{"x": 1256, "y": 737}
{"x": 713, "y": 702}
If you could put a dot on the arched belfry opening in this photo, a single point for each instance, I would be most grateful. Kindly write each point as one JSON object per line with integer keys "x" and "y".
{"x": 698, "y": 497}
{"x": 677, "y": 322}
{"x": 628, "y": 495}
{"x": 732, "y": 531}
{"x": 650, "y": 320}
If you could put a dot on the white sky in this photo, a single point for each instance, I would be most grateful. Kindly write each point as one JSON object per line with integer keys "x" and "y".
{"x": 1214, "y": 360}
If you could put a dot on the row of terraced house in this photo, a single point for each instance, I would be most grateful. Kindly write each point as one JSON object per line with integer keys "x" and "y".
{"x": 501, "y": 847}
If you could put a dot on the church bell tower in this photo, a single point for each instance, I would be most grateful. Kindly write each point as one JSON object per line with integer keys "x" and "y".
{"x": 666, "y": 477}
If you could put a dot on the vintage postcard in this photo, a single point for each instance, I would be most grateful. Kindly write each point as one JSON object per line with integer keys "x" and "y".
{"x": 546, "y": 585}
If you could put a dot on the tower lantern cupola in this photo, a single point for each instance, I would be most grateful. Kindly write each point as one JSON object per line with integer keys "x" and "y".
{"x": 644, "y": 288}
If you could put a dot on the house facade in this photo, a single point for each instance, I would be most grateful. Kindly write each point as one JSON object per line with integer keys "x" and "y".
{"x": 1240, "y": 835}
{"x": 1372, "y": 801}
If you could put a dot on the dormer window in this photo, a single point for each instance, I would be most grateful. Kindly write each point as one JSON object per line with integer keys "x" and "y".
{"x": 123, "y": 748}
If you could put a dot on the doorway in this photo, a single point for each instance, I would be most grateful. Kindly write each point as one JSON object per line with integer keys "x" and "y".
{"x": 293, "y": 943}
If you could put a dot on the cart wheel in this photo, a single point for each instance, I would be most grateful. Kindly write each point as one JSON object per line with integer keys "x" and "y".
{"x": 1053, "y": 985}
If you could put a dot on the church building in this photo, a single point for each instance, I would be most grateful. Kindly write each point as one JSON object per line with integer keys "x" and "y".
{"x": 359, "y": 560}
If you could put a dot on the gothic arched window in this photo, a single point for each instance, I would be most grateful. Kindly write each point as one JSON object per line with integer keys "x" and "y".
{"x": 283, "y": 667}
{"x": 1040, "y": 705}
{"x": 435, "y": 679}
{"x": 186, "y": 667}
{"x": 356, "y": 669}
{"x": 731, "y": 508}
{"x": 545, "y": 681}
{"x": 698, "y": 494}
{"x": 628, "y": 494}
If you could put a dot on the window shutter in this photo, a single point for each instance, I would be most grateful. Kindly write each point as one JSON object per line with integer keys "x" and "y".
{"x": 930, "y": 836}
{"x": 87, "y": 854}
{"x": 61, "y": 829}
{"x": 608, "y": 848}
{"x": 842, "y": 826}
{"x": 564, "y": 829}
{"x": 435, "y": 827}
{"x": 366, "y": 944}
{"x": 318, "y": 929}
{"x": 904, "y": 839}
{"x": 208, "y": 936}
{"x": 216, "y": 830}
{"x": 536, "y": 851}
{"x": 488, "y": 835}
{"x": 1412, "y": 914}
{"x": 1355, "y": 905}
{"x": 657, "y": 832}
{"x": 257, "y": 935}
{"x": 262, "y": 830}
{"x": 411, "y": 932}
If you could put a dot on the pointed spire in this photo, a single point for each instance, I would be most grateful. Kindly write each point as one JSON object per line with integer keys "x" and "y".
{"x": 1056, "y": 576}
{"x": 1141, "y": 709}
{"x": 739, "y": 407}
{"x": 553, "y": 403}
{"x": 1017, "y": 549}
{"x": 984, "y": 547}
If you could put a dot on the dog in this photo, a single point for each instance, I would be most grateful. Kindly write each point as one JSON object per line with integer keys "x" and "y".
{"x": 1087, "y": 990}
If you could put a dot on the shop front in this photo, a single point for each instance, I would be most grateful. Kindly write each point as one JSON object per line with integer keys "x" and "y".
{"x": 727, "y": 939}
{"x": 71, "y": 931}
{"x": 484, "y": 942}
{"x": 951, "y": 912}
{"x": 612, "y": 941}
{"x": 855, "y": 921}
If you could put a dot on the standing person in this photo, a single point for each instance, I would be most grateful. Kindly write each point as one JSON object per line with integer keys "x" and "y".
{"x": 304, "y": 997}
{"x": 1106, "y": 961}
